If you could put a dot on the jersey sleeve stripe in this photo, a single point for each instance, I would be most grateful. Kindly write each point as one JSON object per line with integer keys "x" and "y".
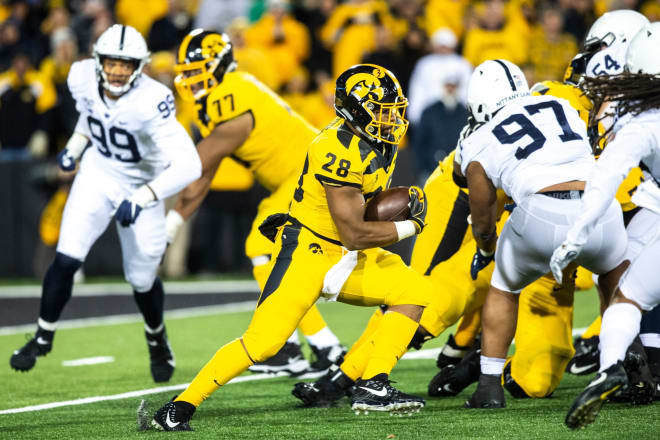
{"x": 334, "y": 182}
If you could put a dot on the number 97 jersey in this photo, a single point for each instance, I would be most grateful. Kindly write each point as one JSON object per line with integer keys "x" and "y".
{"x": 128, "y": 135}
{"x": 530, "y": 144}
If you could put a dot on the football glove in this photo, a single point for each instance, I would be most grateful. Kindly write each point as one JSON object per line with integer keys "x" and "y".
{"x": 417, "y": 207}
{"x": 562, "y": 257}
{"x": 130, "y": 208}
{"x": 479, "y": 261}
{"x": 66, "y": 161}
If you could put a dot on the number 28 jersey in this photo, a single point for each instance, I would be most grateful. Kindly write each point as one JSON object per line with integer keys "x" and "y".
{"x": 338, "y": 158}
{"x": 531, "y": 143}
{"x": 130, "y": 136}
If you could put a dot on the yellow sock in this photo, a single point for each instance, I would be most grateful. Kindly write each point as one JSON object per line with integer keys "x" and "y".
{"x": 468, "y": 329}
{"x": 390, "y": 343}
{"x": 357, "y": 357}
{"x": 227, "y": 363}
{"x": 592, "y": 330}
{"x": 312, "y": 322}
{"x": 260, "y": 274}
{"x": 368, "y": 332}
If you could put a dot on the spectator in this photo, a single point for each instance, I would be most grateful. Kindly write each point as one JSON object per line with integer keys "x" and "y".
{"x": 314, "y": 14}
{"x": 385, "y": 53}
{"x": 550, "y": 50}
{"x": 282, "y": 37}
{"x": 140, "y": 14}
{"x": 25, "y": 100}
{"x": 437, "y": 132}
{"x": 168, "y": 31}
{"x": 94, "y": 14}
{"x": 496, "y": 35}
{"x": 409, "y": 30}
{"x": 442, "y": 14}
{"x": 218, "y": 15}
{"x": 351, "y": 31}
{"x": 10, "y": 40}
{"x": 426, "y": 82}
{"x": 578, "y": 17}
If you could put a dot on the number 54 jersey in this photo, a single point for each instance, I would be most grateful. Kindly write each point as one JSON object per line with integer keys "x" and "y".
{"x": 130, "y": 135}
{"x": 531, "y": 143}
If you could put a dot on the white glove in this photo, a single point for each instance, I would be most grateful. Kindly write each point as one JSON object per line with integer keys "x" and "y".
{"x": 562, "y": 257}
{"x": 173, "y": 223}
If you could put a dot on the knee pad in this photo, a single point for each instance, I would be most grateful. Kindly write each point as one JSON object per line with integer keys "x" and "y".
{"x": 66, "y": 264}
{"x": 535, "y": 384}
{"x": 140, "y": 282}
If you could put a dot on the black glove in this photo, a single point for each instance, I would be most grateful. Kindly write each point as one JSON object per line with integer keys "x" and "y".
{"x": 269, "y": 227}
{"x": 479, "y": 261}
{"x": 417, "y": 207}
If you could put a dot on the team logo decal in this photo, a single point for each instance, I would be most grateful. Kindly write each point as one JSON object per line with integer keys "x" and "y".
{"x": 212, "y": 45}
{"x": 363, "y": 84}
{"x": 315, "y": 248}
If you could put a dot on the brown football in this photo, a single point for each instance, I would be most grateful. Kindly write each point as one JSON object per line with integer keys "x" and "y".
{"x": 390, "y": 205}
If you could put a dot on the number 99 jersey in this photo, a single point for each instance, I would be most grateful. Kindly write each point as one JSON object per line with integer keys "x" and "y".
{"x": 127, "y": 134}
{"x": 532, "y": 143}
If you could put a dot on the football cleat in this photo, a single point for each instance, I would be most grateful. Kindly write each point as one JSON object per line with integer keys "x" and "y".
{"x": 289, "y": 360}
{"x": 325, "y": 357}
{"x": 325, "y": 391}
{"x": 453, "y": 379}
{"x": 642, "y": 386}
{"x": 161, "y": 357}
{"x": 451, "y": 353}
{"x": 489, "y": 393}
{"x": 587, "y": 405}
{"x": 653, "y": 354}
{"x": 25, "y": 357}
{"x": 376, "y": 394}
{"x": 587, "y": 356}
{"x": 173, "y": 416}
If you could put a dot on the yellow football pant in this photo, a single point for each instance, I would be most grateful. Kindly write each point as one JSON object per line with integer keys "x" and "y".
{"x": 294, "y": 285}
{"x": 256, "y": 246}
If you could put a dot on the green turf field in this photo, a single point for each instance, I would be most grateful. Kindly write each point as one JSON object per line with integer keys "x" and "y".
{"x": 265, "y": 408}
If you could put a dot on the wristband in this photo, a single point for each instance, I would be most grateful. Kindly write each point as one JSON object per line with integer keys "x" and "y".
{"x": 405, "y": 229}
{"x": 484, "y": 253}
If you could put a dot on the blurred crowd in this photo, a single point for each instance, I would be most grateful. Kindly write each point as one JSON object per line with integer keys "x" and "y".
{"x": 295, "y": 47}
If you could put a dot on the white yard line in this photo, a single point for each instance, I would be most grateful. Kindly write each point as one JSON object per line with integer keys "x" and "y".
{"x": 130, "y": 318}
{"x": 173, "y": 287}
{"x": 88, "y": 361}
{"x": 128, "y": 395}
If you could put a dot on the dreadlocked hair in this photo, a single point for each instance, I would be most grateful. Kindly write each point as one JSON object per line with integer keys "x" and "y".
{"x": 633, "y": 93}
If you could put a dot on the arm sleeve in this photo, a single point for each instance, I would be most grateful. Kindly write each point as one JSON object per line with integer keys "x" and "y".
{"x": 184, "y": 163}
{"x": 621, "y": 155}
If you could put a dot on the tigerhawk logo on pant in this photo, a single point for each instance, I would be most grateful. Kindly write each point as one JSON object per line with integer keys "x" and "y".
{"x": 315, "y": 248}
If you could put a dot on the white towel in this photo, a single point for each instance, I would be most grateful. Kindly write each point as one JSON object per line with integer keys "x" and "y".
{"x": 338, "y": 274}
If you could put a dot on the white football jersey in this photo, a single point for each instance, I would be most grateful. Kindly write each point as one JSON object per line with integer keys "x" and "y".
{"x": 531, "y": 143}
{"x": 129, "y": 134}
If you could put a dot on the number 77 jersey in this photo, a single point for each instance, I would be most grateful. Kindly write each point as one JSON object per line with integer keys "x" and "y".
{"x": 530, "y": 144}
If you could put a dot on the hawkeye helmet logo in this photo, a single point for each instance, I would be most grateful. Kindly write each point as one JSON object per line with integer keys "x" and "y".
{"x": 214, "y": 44}
{"x": 315, "y": 248}
{"x": 362, "y": 85}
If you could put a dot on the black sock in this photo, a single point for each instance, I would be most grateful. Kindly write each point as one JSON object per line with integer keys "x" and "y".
{"x": 150, "y": 304}
{"x": 56, "y": 290}
{"x": 650, "y": 321}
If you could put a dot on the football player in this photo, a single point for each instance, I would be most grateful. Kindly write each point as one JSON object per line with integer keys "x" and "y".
{"x": 239, "y": 117}
{"x": 139, "y": 155}
{"x": 546, "y": 184}
{"x": 636, "y": 95}
{"x": 325, "y": 247}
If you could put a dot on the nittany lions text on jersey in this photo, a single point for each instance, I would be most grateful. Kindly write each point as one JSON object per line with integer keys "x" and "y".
{"x": 530, "y": 144}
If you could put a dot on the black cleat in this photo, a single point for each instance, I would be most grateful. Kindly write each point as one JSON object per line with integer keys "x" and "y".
{"x": 25, "y": 357}
{"x": 453, "y": 379}
{"x": 586, "y": 406}
{"x": 325, "y": 358}
{"x": 653, "y": 354}
{"x": 161, "y": 357}
{"x": 376, "y": 394}
{"x": 489, "y": 393}
{"x": 587, "y": 356}
{"x": 174, "y": 416}
{"x": 452, "y": 353}
{"x": 325, "y": 391}
{"x": 289, "y": 360}
{"x": 642, "y": 386}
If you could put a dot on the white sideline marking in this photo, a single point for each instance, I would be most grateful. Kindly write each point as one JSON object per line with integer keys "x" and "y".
{"x": 171, "y": 287}
{"x": 88, "y": 361}
{"x": 128, "y": 395}
{"x": 130, "y": 318}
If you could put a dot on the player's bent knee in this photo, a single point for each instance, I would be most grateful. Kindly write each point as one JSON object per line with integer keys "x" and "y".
{"x": 66, "y": 263}
{"x": 262, "y": 350}
{"x": 141, "y": 282}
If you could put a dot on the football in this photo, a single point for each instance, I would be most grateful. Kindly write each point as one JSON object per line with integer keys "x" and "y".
{"x": 390, "y": 205}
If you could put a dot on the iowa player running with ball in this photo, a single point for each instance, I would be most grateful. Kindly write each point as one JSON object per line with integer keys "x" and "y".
{"x": 324, "y": 247}
{"x": 240, "y": 117}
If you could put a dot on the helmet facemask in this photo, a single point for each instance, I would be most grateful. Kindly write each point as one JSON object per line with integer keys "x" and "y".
{"x": 102, "y": 75}
{"x": 388, "y": 123}
{"x": 195, "y": 80}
